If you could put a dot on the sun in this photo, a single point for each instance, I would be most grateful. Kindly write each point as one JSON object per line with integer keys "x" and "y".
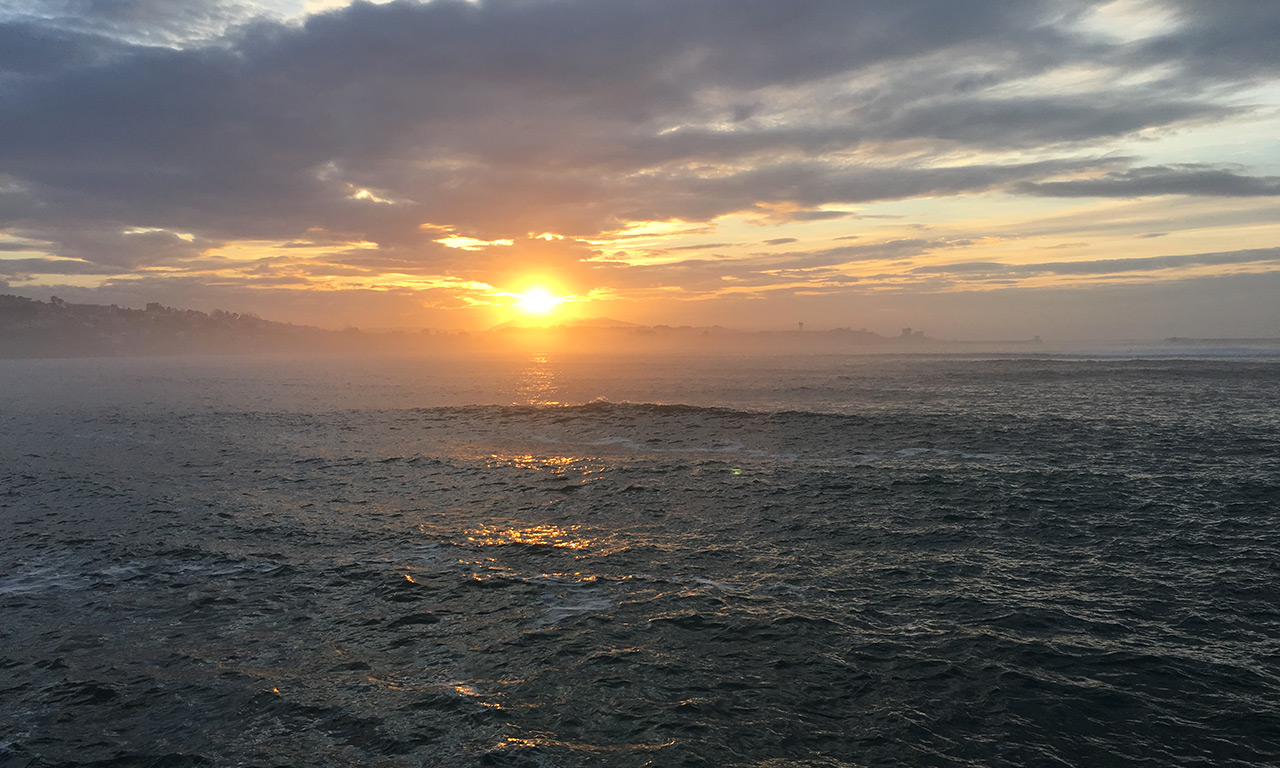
{"x": 538, "y": 301}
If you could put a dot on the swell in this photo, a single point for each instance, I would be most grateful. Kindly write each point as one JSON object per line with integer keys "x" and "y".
{"x": 598, "y": 407}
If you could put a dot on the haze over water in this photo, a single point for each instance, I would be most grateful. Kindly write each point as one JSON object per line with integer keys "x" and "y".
{"x": 576, "y": 560}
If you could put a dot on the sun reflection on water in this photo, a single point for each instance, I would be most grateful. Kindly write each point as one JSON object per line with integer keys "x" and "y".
{"x": 535, "y": 535}
{"x": 542, "y": 741}
{"x": 471, "y": 693}
{"x": 529, "y": 461}
{"x": 536, "y": 384}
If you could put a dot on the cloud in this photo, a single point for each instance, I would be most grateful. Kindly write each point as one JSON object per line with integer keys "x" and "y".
{"x": 33, "y": 50}
{"x": 700, "y": 247}
{"x": 710, "y": 276}
{"x": 150, "y": 22}
{"x": 1231, "y": 39}
{"x": 1104, "y": 266}
{"x": 501, "y": 118}
{"x": 51, "y": 267}
{"x": 1032, "y": 121}
{"x": 1160, "y": 180}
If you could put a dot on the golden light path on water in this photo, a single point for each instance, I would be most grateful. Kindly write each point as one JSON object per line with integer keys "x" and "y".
{"x": 537, "y": 382}
{"x": 875, "y": 570}
{"x": 536, "y": 535}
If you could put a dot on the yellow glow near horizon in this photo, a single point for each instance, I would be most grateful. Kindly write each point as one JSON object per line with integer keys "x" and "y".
{"x": 538, "y": 301}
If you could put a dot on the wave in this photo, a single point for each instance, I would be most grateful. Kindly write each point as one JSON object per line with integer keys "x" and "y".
{"x": 599, "y": 406}
{"x": 634, "y": 410}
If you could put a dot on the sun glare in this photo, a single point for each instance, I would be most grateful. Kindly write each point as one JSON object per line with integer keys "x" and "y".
{"x": 538, "y": 301}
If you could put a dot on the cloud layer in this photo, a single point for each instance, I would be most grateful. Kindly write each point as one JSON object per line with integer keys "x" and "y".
{"x": 137, "y": 139}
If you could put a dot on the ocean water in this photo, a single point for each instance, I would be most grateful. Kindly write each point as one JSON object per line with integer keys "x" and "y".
{"x": 550, "y": 560}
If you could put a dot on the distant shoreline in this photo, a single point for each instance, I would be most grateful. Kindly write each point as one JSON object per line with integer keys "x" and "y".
{"x": 32, "y": 329}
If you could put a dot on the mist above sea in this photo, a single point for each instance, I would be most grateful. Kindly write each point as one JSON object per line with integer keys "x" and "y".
{"x": 556, "y": 559}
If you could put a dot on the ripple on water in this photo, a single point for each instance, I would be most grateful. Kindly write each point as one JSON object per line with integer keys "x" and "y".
{"x": 927, "y": 569}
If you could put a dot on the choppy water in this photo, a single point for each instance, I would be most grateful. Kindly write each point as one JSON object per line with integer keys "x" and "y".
{"x": 810, "y": 561}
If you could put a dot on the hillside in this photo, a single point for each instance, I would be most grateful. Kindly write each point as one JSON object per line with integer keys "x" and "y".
{"x": 55, "y": 328}
{"x": 30, "y": 328}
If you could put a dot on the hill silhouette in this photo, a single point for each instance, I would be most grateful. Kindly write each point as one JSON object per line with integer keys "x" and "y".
{"x": 56, "y": 328}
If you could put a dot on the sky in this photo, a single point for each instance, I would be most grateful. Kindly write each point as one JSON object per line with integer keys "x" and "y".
{"x": 991, "y": 169}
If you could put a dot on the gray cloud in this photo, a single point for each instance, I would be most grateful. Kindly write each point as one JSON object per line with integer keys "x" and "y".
{"x": 1041, "y": 120}
{"x": 986, "y": 269}
{"x": 1106, "y": 266}
{"x": 894, "y": 249}
{"x": 40, "y": 266}
{"x": 503, "y": 118}
{"x": 699, "y": 247}
{"x": 154, "y": 22}
{"x": 32, "y": 50}
{"x": 1160, "y": 180}
{"x": 765, "y": 269}
{"x": 1232, "y": 39}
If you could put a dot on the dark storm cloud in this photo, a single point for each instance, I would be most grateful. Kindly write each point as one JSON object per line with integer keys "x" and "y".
{"x": 512, "y": 116}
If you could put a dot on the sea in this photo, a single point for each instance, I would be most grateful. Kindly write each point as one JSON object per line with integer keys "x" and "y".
{"x": 547, "y": 559}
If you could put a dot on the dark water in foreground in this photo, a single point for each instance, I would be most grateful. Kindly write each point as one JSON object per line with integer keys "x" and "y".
{"x": 758, "y": 562}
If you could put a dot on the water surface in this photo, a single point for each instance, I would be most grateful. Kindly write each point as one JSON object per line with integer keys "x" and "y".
{"x": 573, "y": 561}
